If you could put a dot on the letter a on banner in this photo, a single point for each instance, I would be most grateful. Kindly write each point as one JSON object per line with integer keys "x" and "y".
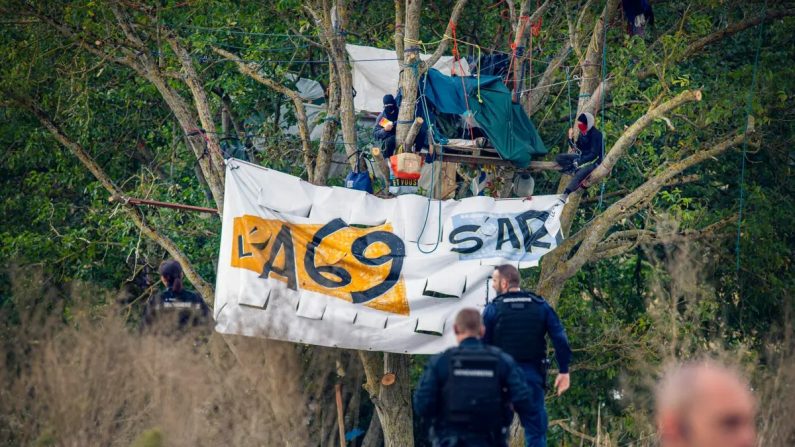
{"x": 338, "y": 267}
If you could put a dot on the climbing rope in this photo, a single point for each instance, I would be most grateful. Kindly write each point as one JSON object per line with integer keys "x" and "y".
{"x": 748, "y": 110}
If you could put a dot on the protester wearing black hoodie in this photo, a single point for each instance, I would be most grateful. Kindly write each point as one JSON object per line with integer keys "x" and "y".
{"x": 584, "y": 155}
{"x": 386, "y": 126}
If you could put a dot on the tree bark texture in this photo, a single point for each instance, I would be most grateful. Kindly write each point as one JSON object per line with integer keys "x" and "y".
{"x": 393, "y": 402}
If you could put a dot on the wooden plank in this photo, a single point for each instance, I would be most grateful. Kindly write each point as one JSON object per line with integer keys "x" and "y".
{"x": 470, "y": 148}
{"x": 468, "y": 159}
{"x": 471, "y": 160}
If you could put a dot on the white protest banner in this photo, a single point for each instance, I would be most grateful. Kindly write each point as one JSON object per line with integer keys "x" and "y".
{"x": 338, "y": 267}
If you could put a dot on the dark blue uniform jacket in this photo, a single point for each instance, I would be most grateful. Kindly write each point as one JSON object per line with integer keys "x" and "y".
{"x": 554, "y": 328}
{"x": 428, "y": 396}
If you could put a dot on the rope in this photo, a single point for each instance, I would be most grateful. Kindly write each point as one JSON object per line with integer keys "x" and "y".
{"x": 457, "y": 59}
{"x": 748, "y": 110}
{"x": 433, "y": 179}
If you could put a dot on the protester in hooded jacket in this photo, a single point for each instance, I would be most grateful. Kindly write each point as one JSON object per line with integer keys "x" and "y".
{"x": 638, "y": 14}
{"x": 386, "y": 126}
{"x": 584, "y": 155}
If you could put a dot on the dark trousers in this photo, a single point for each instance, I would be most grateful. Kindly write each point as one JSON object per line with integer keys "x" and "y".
{"x": 579, "y": 176}
{"x": 566, "y": 161}
{"x": 535, "y": 434}
{"x": 388, "y": 146}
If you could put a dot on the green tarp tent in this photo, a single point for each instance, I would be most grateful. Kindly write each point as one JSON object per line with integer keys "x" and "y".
{"x": 505, "y": 123}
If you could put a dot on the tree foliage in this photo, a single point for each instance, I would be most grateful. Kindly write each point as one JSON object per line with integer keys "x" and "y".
{"x": 134, "y": 84}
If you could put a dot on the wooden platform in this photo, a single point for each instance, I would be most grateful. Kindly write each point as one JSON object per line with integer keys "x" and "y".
{"x": 468, "y": 152}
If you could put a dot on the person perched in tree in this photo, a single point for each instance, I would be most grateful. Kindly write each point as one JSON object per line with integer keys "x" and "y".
{"x": 386, "y": 126}
{"x": 176, "y": 307}
{"x": 584, "y": 155}
{"x": 469, "y": 393}
{"x": 638, "y": 14}
{"x": 518, "y": 322}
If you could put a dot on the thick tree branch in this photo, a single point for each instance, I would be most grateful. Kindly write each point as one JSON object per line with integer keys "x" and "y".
{"x": 373, "y": 364}
{"x": 400, "y": 15}
{"x": 454, "y": 16}
{"x": 628, "y": 137}
{"x": 621, "y": 242}
{"x": 538, "y": 95}
{"x": 252, "y": 70}
{"x": 675, "y": 182}
{"x": 201, "y": 103}
{"x": 125, "y": 24}
{"x": 592, "y": 64}
{"x": 595, "y": 231}
{"x": 539, "y": 11}
{"x": 202, "y": 286}
{"x": 147, "y": 68}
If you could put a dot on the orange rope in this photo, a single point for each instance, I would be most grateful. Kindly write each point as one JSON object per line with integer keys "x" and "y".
{"x": 457, "y": 59}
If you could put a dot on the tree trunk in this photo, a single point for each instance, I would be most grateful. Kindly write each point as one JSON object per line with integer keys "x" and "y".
{"x": 410, "y": 70}
{"x": 393, "y": 402}
{"x": 375, "y": 434}
{"x": 345, "y": 78}
{"x": 189, "y": 126}
{"x": 328, "y": 140}
{"x": 591, "y": 75}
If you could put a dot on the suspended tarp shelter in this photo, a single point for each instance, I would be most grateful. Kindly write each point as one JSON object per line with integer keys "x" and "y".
{"x": 376, "y": 72}
{"x": 489, "y": 102}
{"x": 309, "y": 89}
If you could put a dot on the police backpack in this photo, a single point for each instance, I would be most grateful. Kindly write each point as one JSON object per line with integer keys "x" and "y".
{"x": 473, "y": 394}
{"x": 520, "y": 327}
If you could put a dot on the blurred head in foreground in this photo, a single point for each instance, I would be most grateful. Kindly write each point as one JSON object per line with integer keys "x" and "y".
{"x": 705, "y": 404}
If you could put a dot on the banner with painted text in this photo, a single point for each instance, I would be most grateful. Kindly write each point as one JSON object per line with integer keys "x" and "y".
{"x": 339, "y": 267}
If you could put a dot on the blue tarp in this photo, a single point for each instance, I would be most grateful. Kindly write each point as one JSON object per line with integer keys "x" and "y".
{"x": 505, "y": 123}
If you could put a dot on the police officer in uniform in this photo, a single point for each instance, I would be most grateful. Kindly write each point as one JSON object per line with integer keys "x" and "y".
{"x": 176, "y": 309}
{"x": 517, "y": 322}
{"x": 466, "y": 393}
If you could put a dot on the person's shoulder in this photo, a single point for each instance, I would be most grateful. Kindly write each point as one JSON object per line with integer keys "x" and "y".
{"x": 536, "y": 297}
{"x": 491, "y": 349}
{"x": 190, "y": 296}
{"x": 160, "y": 296}
{"x": 436, "y": 358}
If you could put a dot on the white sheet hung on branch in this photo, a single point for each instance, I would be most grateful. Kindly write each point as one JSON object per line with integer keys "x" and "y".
{"x": 338, "y": 267}
{"x": 376, "y": 73}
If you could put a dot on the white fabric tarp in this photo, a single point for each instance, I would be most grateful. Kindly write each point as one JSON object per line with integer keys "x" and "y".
{"x": 308, "y": 89}
{"x": 338, "y": 267}
{"x": 376, "y": 73}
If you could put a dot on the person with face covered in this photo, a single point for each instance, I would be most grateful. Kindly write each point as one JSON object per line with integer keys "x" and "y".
{"x": 584, "y": 155}
{"x": 386, "y": 126}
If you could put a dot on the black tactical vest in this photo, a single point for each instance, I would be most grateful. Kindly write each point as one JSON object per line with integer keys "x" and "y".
{"x": 473, "y": 395}
{"x": 520, "y": 326}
